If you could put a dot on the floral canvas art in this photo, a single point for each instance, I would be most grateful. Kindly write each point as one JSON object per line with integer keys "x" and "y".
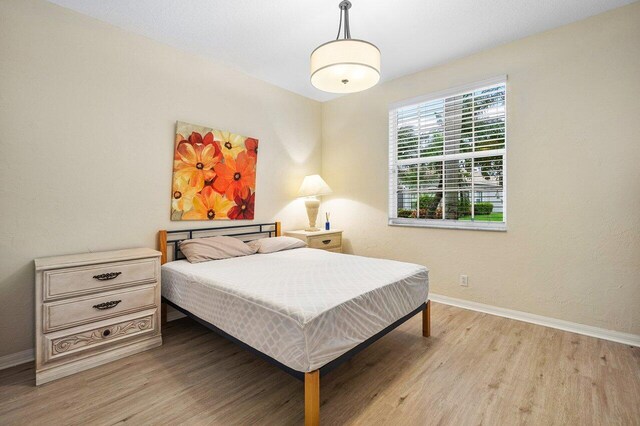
{"x": 214, "y": 174}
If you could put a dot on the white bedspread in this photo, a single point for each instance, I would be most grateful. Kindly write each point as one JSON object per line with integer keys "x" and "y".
{"x": 303, "y": 307}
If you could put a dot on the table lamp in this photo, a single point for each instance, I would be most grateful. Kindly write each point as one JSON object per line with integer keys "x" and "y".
{"x": 312, "y": 187}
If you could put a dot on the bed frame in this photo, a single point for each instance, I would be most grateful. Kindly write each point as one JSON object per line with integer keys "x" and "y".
{"x": 311, "y": 379}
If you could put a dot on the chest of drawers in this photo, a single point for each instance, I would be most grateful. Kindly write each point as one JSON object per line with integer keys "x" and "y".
{"x": 93, "y": 308}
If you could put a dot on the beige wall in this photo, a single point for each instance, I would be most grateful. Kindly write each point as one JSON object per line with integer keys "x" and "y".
{"x": 87, "y": 122}
{"x": 572, "y": 249}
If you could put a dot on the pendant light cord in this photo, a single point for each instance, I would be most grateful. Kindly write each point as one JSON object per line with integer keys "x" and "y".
{"x": 347, "y": 29}
{"x": 344, "y": 11}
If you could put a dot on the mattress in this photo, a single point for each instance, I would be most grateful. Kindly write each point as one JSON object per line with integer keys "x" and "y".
{"x": 303, "y": 307}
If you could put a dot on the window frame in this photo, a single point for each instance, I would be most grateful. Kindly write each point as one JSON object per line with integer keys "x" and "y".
{"x": 393, "y": 220}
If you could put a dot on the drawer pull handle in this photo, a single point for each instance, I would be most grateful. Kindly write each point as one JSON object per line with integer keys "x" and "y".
{"x": 106, "y": 333}
{"x": 107, "y": 305}
{"x": 107, "y": 276}
{"x": 326, "y": 241}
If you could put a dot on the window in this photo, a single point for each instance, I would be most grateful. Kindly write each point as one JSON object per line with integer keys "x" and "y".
{"x": 447, "y": 158}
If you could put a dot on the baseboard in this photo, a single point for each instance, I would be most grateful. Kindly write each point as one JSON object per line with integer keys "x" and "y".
{"x": 17, "y": 358}
{"x": 587, "y": 330}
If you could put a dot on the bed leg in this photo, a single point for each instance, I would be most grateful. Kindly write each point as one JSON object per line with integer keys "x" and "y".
{"x": 426, "y": 320}
{"x": 312, "y": 398}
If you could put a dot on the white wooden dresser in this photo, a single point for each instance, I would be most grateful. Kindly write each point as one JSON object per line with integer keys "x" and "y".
{"x": 94, "y": 308}
{"x": 324, "y": 240}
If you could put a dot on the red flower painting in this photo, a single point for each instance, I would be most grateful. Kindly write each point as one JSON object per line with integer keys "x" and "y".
{"x": 245, "y": 203}
{"x": 252, "y": 147}
{"x": 214, "y": 174}
{"x": 235, "y": 175}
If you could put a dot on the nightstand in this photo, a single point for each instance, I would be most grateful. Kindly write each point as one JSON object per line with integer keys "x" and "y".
{"x": 324, "y": 240}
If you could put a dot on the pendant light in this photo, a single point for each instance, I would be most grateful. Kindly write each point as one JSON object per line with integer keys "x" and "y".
{"x": 345, "y": 65}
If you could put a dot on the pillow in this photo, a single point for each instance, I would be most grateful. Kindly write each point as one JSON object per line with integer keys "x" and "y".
{"x": 274, "y": 244}
{"x": 214, "y": 248}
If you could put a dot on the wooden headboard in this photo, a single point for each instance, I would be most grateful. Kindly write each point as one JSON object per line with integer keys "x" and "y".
{"x": 168, "y": 241}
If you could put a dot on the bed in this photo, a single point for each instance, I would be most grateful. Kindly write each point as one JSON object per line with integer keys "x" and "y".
{"x": 304, "y": 310}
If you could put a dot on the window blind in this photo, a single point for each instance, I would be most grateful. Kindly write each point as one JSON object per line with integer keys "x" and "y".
{"x": 447, "y": 158}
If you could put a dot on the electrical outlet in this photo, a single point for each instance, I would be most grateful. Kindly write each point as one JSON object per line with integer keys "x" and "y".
{"x": 464, "y": 280}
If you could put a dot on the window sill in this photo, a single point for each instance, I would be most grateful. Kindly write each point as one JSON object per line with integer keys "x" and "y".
{"x": 449, "y": 224}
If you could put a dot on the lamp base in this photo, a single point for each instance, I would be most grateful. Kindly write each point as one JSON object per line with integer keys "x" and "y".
{"x": 312, "y": 205}
{"x": 312, "y": 229}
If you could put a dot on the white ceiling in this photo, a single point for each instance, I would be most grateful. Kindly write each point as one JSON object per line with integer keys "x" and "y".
{"x": 272, "y": 39}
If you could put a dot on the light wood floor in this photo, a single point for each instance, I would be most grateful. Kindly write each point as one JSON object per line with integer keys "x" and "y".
{"x": 475, "y": 369}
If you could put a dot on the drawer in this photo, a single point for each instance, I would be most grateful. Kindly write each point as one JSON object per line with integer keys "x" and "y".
{"x": 60, "y": 283}
{"x": 103, "y": 336}
{"x": 325, "y": 241}
{"x": 81, "y": 310}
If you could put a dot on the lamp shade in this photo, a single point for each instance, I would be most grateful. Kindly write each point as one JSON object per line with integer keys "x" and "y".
{"x": 313, "y": 185}
{"x": 345, "y": 66}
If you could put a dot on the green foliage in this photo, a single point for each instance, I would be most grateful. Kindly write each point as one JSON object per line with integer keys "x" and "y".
{"x": 493, "y": 217}
{"x": 483, "y": 208}
{"x": 406, "y": 213}
{"x": 464, "y": 205}
{"x": 429, "y": 205}
{"x": 412, "y": 144}
{"x": 426, "y": 200}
